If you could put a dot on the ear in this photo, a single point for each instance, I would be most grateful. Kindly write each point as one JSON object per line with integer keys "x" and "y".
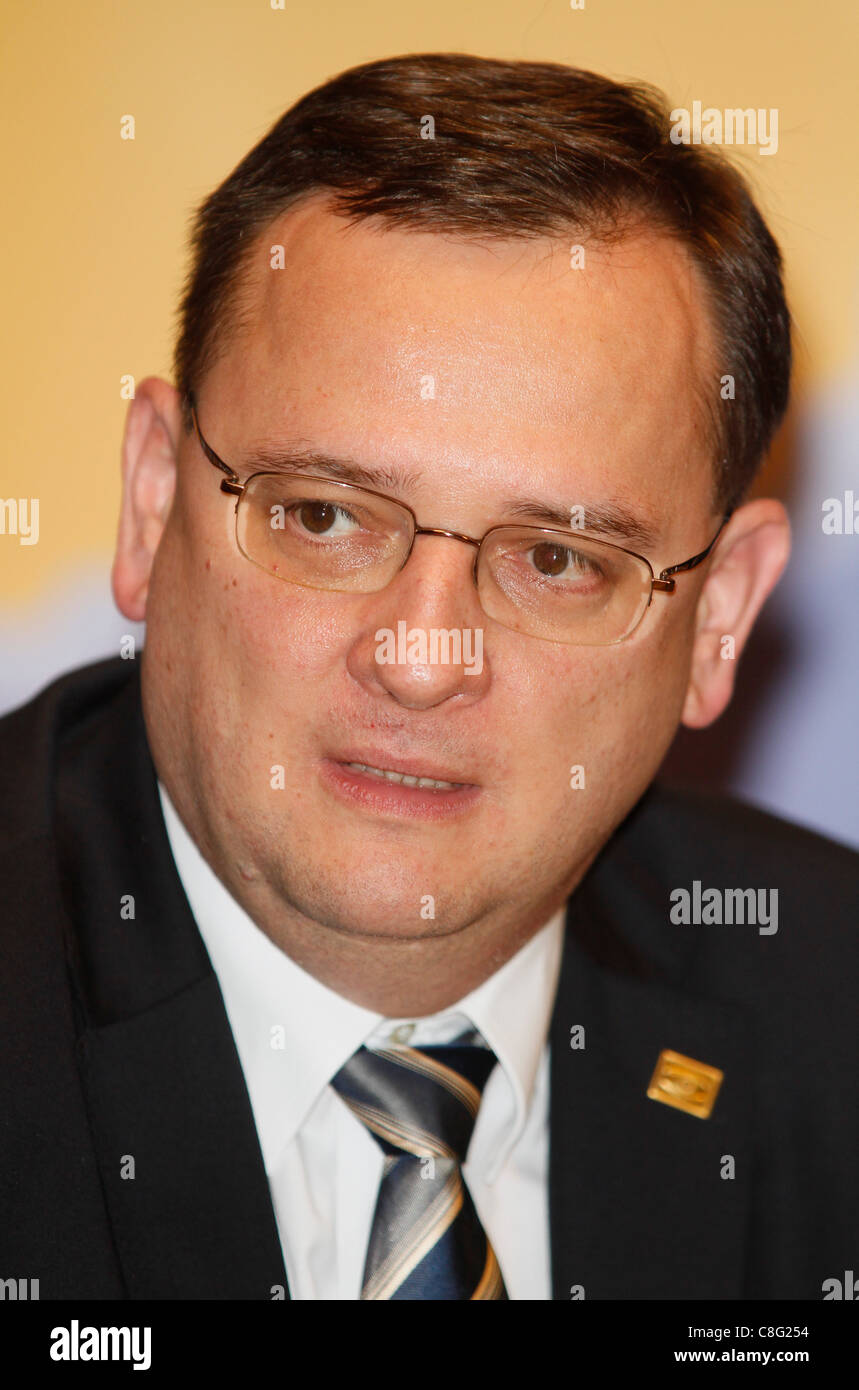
{"x": 745, "y": 567}
{"x": 149, "y": 457}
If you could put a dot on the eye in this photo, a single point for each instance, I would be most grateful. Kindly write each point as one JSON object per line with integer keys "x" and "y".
{"x": 552, "y": 560}
{"x": 323, "y": 518}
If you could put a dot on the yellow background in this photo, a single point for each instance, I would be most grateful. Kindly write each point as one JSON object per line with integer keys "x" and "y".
{"x": 95, "y": 226}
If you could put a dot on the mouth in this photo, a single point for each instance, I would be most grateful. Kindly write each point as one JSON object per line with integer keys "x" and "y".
{"x": 404, "y": 779}
{"x": 397, "y": 787}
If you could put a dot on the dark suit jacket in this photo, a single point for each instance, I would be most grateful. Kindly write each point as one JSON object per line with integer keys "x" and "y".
{"x": 114, "y": 1041}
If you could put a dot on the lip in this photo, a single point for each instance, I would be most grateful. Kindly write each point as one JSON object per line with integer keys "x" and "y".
{"x": 409, "y": 767}
{"x": 392, "y": 799}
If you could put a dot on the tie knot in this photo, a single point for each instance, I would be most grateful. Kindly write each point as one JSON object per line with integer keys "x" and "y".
{"x": 421, "y": 1101}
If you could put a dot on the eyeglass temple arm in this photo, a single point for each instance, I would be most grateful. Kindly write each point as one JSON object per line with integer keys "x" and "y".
{"x": 665, "y": 583}
{"x": 231, "y": 482}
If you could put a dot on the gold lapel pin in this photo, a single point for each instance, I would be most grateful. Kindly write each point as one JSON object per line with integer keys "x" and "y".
{"x": 684, "y": 1083}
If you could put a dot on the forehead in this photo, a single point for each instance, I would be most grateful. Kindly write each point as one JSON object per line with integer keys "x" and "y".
{"x": 399, "y": 341}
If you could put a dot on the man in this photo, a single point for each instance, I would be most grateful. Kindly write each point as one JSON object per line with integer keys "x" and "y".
{"x": 354, "y": 954}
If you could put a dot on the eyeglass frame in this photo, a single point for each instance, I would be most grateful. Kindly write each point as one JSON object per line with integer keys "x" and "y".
{"x": 661, "y": 583}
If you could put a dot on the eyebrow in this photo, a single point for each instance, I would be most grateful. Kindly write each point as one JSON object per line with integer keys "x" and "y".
{"x": 344, "y": 470}
{"x": 610, "y": 519}
{"x": 607, "y": 518}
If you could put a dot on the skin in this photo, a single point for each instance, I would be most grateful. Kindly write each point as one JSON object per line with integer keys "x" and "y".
{"x": 583, "y": 386}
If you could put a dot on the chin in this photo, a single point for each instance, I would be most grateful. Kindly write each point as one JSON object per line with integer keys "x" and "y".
{"x": 398, "y": 927}
{"x": 373, "y": 907}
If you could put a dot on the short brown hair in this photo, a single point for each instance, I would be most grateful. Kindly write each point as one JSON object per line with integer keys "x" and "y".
{"x": 520, "y": 149}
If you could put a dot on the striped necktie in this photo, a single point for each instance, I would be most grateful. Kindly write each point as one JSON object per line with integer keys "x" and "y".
{"x": 420, "y": 1105}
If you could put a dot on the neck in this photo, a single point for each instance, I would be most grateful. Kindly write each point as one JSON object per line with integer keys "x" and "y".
{"x": 396, "y": 976}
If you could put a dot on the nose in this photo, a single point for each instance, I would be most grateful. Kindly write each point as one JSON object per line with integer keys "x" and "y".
{"x": 421, "y": 641}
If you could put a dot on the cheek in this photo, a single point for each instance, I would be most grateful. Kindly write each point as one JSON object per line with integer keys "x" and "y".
{"x": 643, "y": 708}
{"x": 281, "y": 634}
{"x": 611, "y": 712}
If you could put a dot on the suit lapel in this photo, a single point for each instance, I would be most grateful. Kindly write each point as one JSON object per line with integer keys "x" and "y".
{"x": 179, "y": 1157}
{"x": 176, "y": 1143}
{"x": 639, "y": 1207}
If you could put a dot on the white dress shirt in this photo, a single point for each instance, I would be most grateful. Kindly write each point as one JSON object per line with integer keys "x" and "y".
{"x": 293, "y": 1034}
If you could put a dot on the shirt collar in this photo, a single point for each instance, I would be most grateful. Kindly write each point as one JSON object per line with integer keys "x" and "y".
{"x": 293, "y": 1033}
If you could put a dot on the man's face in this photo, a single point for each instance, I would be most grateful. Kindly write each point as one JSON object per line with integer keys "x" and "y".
{"x": 488, "y": 372}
